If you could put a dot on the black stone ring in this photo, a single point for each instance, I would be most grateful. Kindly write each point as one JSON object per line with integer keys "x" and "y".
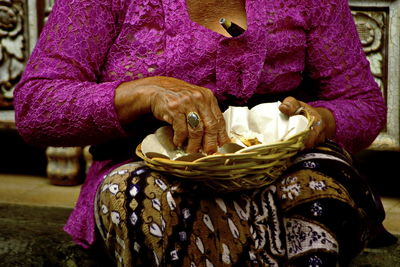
{"x": 193, "y": 119}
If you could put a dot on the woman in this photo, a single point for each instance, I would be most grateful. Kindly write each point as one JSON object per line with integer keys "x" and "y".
{"x": 107, "y": 73}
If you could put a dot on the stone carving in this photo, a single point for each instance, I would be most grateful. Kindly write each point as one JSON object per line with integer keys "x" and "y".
{"x": 378, "y": 25}
{"x": 48, "y": 5}
{"x": 371, "y": 29}
{"x": 13, "y": 52}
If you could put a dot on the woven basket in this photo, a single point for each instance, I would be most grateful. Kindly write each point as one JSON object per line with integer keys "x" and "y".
{"x": 260, "y": 165}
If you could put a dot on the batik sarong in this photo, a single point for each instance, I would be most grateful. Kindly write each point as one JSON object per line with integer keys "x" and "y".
{"x": 314, "y": 215}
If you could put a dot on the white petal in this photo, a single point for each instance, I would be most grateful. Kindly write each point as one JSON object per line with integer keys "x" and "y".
{"x": 104, "y": 209}
{"x": 136, "y": 246}
{"x": 162, "y": 224}
{"x": 200, "y": 245}
{"x": 121, "y": 172}
{"x": 221, "y": 204}
{"x": 161, "y": 184}
{"x": 118, "y": 257}
{"x": 133, "y": 192}
{"x": 105, "y": 187}
{"x": 174, "y": 255}
{"x": 186, "y": 213}
{"x": 240, "y": 212}
{"x": 207, "y": 221}
{"x": 155, "y": 230}
{"x": 115, "y": 218}
{"x": 133, "y": 218}
{"x": 156, "y": 204}
{"x": 252, "y": 232}
{"x": 225, "y": 254}
{"x": 232, "y": 227}
{"x": 114, "y": 188}
{"x": 182, "y": 236}
{"x": 171, "y": 201}
{"x": 120, "y": 241}
{"x": 156, "y": 258}
{"x": 209, "y": 264}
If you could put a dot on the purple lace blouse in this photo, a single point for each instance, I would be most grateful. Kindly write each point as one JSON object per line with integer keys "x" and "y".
{"x": 88, "y": 47}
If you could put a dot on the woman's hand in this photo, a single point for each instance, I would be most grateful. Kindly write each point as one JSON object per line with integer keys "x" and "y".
{"x": 171, "y": 100}
{"x": 324, "y": 123}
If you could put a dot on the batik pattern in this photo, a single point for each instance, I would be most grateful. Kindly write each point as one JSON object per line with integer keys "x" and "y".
{"x": 149, "y": 218}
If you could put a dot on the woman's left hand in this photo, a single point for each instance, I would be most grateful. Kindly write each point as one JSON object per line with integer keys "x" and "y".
{"x": 324, "y": 125}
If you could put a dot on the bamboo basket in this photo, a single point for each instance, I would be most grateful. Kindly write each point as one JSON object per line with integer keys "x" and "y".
{"x": 259, "y": 166}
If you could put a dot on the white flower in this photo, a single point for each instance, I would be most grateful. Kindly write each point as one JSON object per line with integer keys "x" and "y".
{"x": 104, "y": 209}
{"x": 113, "y": 188}
{"x": 317, "y": 185}
{"x": 289, "y": 180}
{"x": 291, "y": 188}
{"x": 291, "y": 191}
{"x": 115, "y": 217}
{"x": 133, "y": 218}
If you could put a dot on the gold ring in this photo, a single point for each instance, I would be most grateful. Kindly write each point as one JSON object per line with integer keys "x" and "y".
{"x": 193, "y": 119}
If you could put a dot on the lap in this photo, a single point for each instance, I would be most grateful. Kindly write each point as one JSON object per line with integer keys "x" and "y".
{"x": 143, "y": 214}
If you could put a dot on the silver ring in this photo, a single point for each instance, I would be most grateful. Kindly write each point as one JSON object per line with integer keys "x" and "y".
{"x": 297, "y": 112}
{"x": 193, "y": 119}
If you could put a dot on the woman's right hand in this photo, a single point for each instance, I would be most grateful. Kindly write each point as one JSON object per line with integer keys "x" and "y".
{"x": 170, "y": 100}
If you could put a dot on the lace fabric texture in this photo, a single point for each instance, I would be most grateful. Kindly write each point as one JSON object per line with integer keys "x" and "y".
{"x": 88, "y": 48}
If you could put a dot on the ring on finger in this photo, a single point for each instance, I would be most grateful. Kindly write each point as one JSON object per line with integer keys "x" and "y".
{"x": 193, "y": 119}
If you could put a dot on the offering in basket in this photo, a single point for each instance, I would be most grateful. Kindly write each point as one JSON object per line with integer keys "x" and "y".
{"x": 263, "y": 141}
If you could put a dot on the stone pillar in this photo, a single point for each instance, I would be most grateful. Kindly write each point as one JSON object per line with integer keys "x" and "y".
{"x": 64, "y": 165}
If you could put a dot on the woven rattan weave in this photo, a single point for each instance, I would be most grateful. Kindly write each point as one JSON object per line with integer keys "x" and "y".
{"x": 260, "y": 165}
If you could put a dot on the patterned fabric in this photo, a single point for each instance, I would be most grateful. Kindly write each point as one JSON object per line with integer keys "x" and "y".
{"x": 145, "y": 217}
{"x": 88, "y": 47}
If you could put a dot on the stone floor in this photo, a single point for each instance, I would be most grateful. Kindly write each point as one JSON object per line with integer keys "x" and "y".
{"x": 33, "y": 212}
{"x": 33, "y": 236}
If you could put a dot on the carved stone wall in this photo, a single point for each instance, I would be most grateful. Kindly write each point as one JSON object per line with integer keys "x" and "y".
{"x": 373, "y": 35}
{"x": 378, "y": 25}
{"x": 13, "y": 47}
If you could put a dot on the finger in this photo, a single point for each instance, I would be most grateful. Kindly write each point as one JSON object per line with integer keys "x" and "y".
{"x": 195, "y": 136}
{"x": 211, "y": 129}
{"x": 210, "y": 138}
{"x": 222, "y": 135}
{"x": 180, "y": 129}
{"x": 290, "y": 105}
{"x": 311, "y": 139}
{"x": 211, "y": 117}
{"x": 319, "y": 127}
{"x": 190, "y": 99}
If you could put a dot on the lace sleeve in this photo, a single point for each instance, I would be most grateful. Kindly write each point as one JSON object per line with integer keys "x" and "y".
{"x": 59, "y": 101}
{"x": 335, "y": 59}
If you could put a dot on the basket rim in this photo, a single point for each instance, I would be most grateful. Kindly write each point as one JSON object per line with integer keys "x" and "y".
{"x": 253, "y": 150}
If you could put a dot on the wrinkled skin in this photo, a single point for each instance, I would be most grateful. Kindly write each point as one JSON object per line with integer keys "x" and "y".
{"x": 170, "y": 100}
{"x": 324, "y": 123}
